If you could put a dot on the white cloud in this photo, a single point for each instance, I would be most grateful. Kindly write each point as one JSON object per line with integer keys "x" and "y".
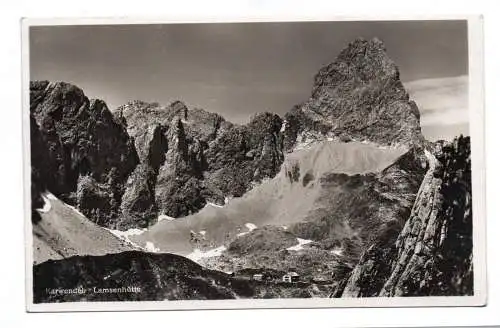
{"x": 441, "y": 101}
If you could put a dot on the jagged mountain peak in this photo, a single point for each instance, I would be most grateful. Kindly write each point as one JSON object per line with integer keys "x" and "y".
{"x": 360, "y": 97}
{"x": 362, "y": 61}
{"x": 60, "y": 85}
{"x": 266, "y": 121}
{"x": 179, "y": 108}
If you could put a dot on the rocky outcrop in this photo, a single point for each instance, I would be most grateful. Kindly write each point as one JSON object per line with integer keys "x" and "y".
{"x": 88, "y": 150}
{"x": 173, "y": 155}
{"x": 93, "y": 140}
{"x": 357, "y": 97}
{"x": 88, "y": 157}
{"x": 45, "y": 172}
{"x": 200, "y": 157}
{"x": 432, "y": 254}
{"x": 361, "y": 207}
{"x": 138, "y": 207}
{"x": 179, "y": 187}
{"x": 245, "y": 154}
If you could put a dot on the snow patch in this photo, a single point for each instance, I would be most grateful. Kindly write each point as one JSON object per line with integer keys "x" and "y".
{"x": 162, "y": 217}
{"x": 250, "y": 226}
{"x": 203, "y": 233}
{"x": 127, "y": 233}
{"x": 124, "y": 235}
{"x": 150, "y": 247}
{"x": 46, "y": 205}
{"x": 214, "y": 205}
{"x": 283, "y": 126}
{"x": 337, "y": 251}
{"x": 197, "y": 255}
{"x": 300, "y": 245}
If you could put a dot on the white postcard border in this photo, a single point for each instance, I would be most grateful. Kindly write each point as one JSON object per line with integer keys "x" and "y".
{"x": 476, "y": 115}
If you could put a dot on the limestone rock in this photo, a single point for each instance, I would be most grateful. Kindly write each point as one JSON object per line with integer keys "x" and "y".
{"x": 83, "y": 139}
{"x": 245, "y": 154}
{"x": 201, "y": 157}
{"x": 138, "y": 207}
{"x": 358, "y": 97}
{"x": 432, "y": 254}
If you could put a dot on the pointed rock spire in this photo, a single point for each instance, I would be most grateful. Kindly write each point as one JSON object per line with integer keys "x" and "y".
{"x": 359, "y": 97}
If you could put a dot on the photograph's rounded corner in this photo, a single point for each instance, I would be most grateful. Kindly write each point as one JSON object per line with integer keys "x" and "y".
{"x": 30, "y": 307}
{"x": 25, "y": 21}
{"x": 481, "y": 298}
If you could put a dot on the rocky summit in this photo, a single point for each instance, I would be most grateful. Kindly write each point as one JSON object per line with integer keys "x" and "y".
{"x": 357, "y": 97}
{"x": 343, "y": 193}
{"x": 125, "y": 169}
{"x": 195, "y": 157}
{"x": 85, "y": 155}
{"x": 145, "y": 160}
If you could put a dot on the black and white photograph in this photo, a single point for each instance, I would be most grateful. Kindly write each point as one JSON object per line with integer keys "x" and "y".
{"x": 253, "y": 164}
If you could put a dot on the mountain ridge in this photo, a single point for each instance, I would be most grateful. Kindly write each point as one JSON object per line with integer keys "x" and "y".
{"x": 352, "y": 156}
{"x": 189, "y": 157}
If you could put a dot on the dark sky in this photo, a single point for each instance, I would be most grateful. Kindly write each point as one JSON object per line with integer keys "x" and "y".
{"x": 235, "y": 69}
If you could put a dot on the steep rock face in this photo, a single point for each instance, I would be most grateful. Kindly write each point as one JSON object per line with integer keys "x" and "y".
{"x": 358, "y": 97}
{"x": 355, "y": 209}
{"x": 200, "y": 157}
{"x": 178, "y": 190}
{"x": 86, "y": 145}
{"x": 47, "y": 165}
{"x": 266, "y": 137}
{"x": 138, "y": 207}
{"x": 245, "y": 154}
{"x": 432, "y": 254}
{"x": 93, "y": 139}
{"x": 205, "y": 126}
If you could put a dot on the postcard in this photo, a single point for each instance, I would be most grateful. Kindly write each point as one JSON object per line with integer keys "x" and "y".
{"x": 253, "y": 164}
